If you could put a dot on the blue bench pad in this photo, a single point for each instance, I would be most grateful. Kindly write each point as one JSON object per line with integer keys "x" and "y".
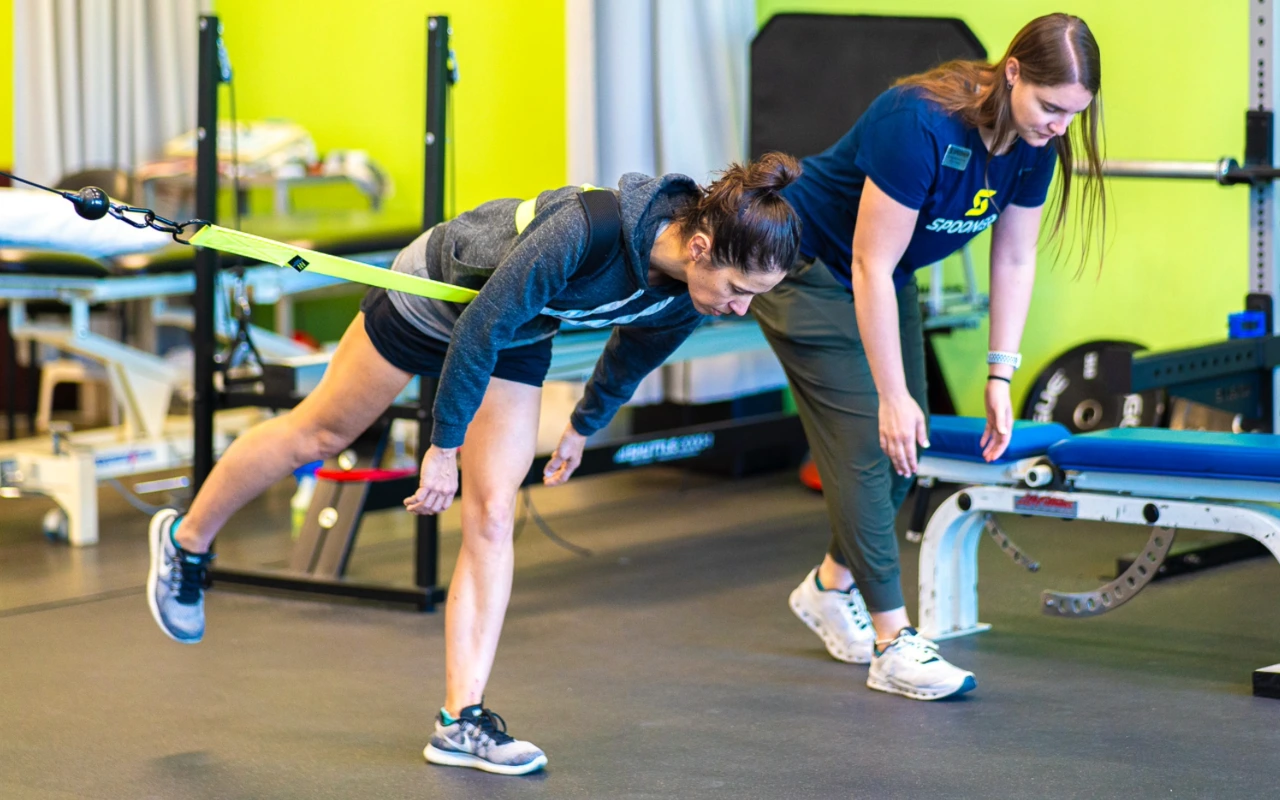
{"x": 960, "y": 437}
{"x": 1186, "y": 454}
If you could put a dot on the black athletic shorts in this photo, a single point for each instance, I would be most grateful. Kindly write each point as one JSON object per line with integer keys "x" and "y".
{"x": 407, "y": 348}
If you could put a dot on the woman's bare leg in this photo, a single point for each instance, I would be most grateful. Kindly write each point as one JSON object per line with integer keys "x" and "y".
{"x": 495, "y": 459}
{"x": 356, "y": 388}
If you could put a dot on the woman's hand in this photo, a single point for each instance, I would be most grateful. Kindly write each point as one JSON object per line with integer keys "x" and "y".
{"x": 995, "y": 439}
{"x": 902, "y": 427}
{"x": 439, "y": 482}
{"x": 566, "y": 458}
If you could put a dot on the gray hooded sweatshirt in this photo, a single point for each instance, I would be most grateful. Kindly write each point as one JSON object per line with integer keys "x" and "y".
{"x": 532, "y": 281}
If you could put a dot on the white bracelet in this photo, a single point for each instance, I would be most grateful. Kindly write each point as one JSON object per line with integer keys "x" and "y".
{"x": 1000, "y": 357}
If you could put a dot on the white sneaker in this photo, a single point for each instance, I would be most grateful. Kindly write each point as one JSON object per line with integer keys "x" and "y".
{"x": 910, "y": 666}
{"x": 839, "y": 618}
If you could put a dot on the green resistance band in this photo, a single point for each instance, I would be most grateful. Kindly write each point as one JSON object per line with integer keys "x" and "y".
{"x": 270, "y": 251}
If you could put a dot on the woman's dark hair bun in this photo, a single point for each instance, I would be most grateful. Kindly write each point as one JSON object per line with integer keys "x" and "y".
{"x": 772, "y": 172}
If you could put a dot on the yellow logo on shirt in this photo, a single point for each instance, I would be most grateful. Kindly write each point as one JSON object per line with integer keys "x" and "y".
{"x": 980, "y": 202}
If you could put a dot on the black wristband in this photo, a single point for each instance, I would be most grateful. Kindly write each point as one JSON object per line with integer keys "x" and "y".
{"x": 999, "y": 378}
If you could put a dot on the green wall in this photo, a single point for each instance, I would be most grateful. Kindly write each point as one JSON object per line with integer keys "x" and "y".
{"x": 6, "y": 83}
{"x": 1174, "y": 87}
{"x": 354, "y": 76}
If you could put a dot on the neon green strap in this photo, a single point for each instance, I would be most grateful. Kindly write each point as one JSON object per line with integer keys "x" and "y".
{"x": 524, "y": 214}
{"x": 526, "y": 210}
{"x": 270, "y": 251}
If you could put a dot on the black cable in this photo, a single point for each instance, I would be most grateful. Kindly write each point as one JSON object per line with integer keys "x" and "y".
{"x": 524, "y": 514}
{"x": 11, "y": 176}
{"x": 451, "y": 174}
{"x": 242, "y": 350}
{"x": 550, "y": 534}
{"x": 132, "y": 499}
{"x": 235, "y": 154}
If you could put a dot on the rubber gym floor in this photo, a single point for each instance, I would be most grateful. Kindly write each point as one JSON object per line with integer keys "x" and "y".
{"x": 664, "y": 665}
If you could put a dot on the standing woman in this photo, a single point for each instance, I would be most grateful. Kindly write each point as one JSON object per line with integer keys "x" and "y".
{"x": 934, "y": 161}
{"x": 685, "y": 252}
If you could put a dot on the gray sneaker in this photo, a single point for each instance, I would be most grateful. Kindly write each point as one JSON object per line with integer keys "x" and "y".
{"x": 176, "y": 582}
{"x": 478, "y": 739}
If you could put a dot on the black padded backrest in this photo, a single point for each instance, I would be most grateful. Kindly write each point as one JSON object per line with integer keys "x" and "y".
{"x": 812, "y": 75}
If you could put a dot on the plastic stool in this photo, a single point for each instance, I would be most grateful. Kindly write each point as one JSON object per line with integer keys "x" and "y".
{"x": 91, "y": 379}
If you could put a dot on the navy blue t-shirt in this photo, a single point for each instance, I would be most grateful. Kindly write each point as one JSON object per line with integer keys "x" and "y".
{"x": 924, "y": 158}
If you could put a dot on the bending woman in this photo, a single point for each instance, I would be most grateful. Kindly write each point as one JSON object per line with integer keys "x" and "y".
{"x": 934, "y": 161}
{"x": 685, "y": 253}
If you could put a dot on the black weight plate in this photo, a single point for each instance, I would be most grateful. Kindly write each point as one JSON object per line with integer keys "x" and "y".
{"x": 1073, "y": 390}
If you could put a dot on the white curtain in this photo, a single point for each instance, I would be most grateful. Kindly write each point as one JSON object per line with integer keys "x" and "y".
{"x": 101, "y": 83}
{"x": 660, "y": 86}
{"x": 656, "y": 86}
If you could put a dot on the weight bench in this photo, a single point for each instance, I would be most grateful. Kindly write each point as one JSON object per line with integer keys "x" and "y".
{"x": 1153, "y": 477}
{"x": 955, "y": 456}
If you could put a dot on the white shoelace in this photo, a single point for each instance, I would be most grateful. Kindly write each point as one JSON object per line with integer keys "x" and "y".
{"x": 916, "y": 647}
{"x": 856, "y": 610}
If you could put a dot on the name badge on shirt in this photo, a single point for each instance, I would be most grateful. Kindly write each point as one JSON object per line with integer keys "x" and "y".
{"x": 956, "y": 157}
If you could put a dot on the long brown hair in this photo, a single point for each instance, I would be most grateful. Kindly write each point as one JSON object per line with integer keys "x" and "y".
{"x": 1052, "y": 50}
{"x": 752, "y": 226}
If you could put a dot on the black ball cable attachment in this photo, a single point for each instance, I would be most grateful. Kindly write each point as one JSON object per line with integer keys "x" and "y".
{"x": 92, "y": 203}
